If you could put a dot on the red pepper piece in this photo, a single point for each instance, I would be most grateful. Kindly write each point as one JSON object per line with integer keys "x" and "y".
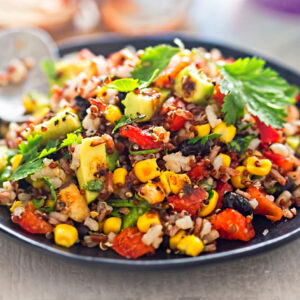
{"x": 265, "y": 206}
{"x": 190, "y": 202}
{"x": 31, "y": 222}
{"x": 198, "y": 172}
{"x": 218, "y": 96}
{"x": 139, "y": 137}
{"x": 221, "y": 189}
{"x": 285, "y": 162}
{"x": 232, "y": 225}
{"x": 129, "y": 243}
{"x": 268, "y": 134}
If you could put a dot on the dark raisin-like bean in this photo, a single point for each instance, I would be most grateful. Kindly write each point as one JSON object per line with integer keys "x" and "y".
{"x": 83, "y": 104}
{"x": 187, "y": 148}
{"x": 237, "y": 202}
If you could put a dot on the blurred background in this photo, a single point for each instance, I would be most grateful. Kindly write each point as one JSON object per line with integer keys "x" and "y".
{"x": 268, "y": 27}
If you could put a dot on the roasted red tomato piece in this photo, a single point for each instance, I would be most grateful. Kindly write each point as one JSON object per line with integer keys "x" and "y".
{"x": 221, "y": 189}
{"x": 139, "y": 137}
{"x": 190, "y": 202}
{"x": 232, "y": 225}
{"x": 129, "y": 243}
{"x": 268, "y": 134}
{"x": 31, "y": 222}
{"x": 286, "y": 163}
{"x": 265, "y": 206}
{"x": 218, "y": 96}
{"x": 198, "y": 172}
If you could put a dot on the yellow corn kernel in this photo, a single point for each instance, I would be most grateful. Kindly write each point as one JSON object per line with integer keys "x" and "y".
{"x": 102, "y": 92}
{"x": 237, "y": 180}
{"x": 15, "y": 161}
{"x": 15, "y": 205}
{"x": 226, "y": 159}
{"x": 164, "y": 179}
{"x": 190, "y": 245}
{"x": 203, "y": 130}
{"x": 113, "y": 114}
{"x": 112, "y": 224}
{"x": 209, "y": 208}
{"x": 260, "y": 167}
{"x": 94, "y": 214}
{"x": 174, "y": 240}
{"x": 144, "y": 222}
{"x": 152, "y": 192}
{"x": 146, "y": 170}
{"x": 29, "y": 104}
{"x": 227, "y": 132}
{"x": 65, "y": 235}
{"x": 119, "y": 176}
{"x": 177, "y": 182}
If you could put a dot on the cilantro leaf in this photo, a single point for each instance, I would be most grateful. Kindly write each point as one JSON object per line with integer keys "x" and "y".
{"x": 126, "y": 121}
{"x": 50, "y": 148}
{"x": 240, "y": 144}
{"x": 51, "y": 188}
{"x": 70, "y": 139}
{"x": 29, "y": 150}
{"x": 145, "y": 84}
{"x": 22, "y": 171}
{"x": 203, "y": 139}
{"x": 94, "y": 185}
{"x": 124, "y": 85}
{"x": 48, "y": 66}
{"x": 247, "y": 83}
{"x": 153, "y": 58}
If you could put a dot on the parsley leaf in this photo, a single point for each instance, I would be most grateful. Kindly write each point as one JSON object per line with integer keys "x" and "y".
{"x": 50, "y": 148}
{"x": 126, "y": 121}
{"x": 22, "y": 171}
{"x": 94, "y": 185}
{"x": 247, "y": 83}
{"x": 124, "y": 85}
{"x": 203, "y": 139}
{"x": 29, "y": 150}
{"x": 153, "y": 58}
{"x": 70, "y": 139}
{"x": 240, "y": 144}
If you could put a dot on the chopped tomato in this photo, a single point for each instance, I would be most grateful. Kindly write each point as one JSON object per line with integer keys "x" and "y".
{"x": 221, "y": 189}
{"x": 169, "y": 74}
{"x": 32, "y": 222}
{"x": 99, "y": 102}
{"x": 129, "y": 243}
{"x": 232, "y": 225}
{"x": 177, "y": 123}
{"x": 198, "y": 172}
{"x": 265, "y": 206}
{"x": 268, "y": 134}
{"x": 139, "y": 137}
{"x": 218, "y": 96}
{"x": 285, "y": 162}
{"x": 190, "y": 202}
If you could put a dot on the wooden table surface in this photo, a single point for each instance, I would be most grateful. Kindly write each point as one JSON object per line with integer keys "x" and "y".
{"x": 275, "y": 275}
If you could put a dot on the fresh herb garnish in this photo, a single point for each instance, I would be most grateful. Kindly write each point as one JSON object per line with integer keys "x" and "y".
{"x": 48, "y": 66}
{"x": 5, "y": 174}
{"x": 153, "y": 58}
{"x": 143, "y": 152}
{"x": 39, "y": 203}
{"x": 124, "y": 85}
{"x": 208, "y": 187}
{"x": 94, "y": 185}
{"x": 248, "y": 83}
{"x": 131, "y": 218}
{"x": 32, "y": 158}
{"x": 240, "y": 144}
{"x": 203, "y": 139}
{"x": 111, "y": 159}
{"x": 126, "y": 121}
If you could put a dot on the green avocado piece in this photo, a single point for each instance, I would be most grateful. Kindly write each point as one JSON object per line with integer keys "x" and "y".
{"x": 193, "y": 86}
{"x": 63, "y": 122}
{"x": 145, "y": 103}
{"x": 92, "y": 157}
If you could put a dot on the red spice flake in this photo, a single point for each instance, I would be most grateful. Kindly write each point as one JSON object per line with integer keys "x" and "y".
{"x": 82, "y": 191}
{"x": 44, "y": 128}
{"x": 53, "y": 165}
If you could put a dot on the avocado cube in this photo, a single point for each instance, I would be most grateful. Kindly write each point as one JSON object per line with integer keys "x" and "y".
{"x": 92, "y": 158}
{"x": 145, "y": 103}
{"x": 193, "y": 86}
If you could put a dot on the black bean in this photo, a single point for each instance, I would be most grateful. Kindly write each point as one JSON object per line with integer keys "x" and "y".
{"x": 83, "y": 104}
{"x": 82, "y": 230}
{"x": 289, "y": 186}
{"x": 187, "y": 148}
{"x": 237, "y": 202}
